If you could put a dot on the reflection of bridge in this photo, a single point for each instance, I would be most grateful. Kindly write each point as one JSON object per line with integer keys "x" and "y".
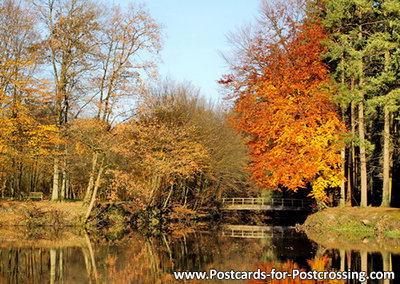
{"x": 265, "y": 204}
{"x": 258, "y": 232}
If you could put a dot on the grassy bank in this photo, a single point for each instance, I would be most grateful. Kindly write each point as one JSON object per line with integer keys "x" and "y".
{"x": 370, "y": 228}
{"x": 113, "y": 217}
{"x": 41, "y": 213}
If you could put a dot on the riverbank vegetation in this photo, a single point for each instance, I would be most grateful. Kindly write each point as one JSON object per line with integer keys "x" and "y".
{"x": 356, "y": 228}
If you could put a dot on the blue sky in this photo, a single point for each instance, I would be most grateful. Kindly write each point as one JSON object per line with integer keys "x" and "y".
{"x": 195, "y": 31}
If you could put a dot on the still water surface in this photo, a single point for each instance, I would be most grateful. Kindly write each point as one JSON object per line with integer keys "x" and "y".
{"x": 66, "y": 257}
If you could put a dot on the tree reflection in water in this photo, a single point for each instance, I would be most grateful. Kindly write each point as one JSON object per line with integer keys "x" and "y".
{"x": 317, "y": 264}
{"x": 133, "y": 258}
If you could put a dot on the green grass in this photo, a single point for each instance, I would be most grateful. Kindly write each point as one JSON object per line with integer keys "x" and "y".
{"x": 354, "y": 229}
{"x": 393, "y": 234}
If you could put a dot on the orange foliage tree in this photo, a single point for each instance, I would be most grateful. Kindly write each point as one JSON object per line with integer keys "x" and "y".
{"x": 283, "y": 102}
{"x": 26, "y": 136}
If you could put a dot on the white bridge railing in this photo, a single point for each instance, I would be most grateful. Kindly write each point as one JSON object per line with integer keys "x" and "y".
{"x": 240, "y": 231}
{"x": 263, "y": 203}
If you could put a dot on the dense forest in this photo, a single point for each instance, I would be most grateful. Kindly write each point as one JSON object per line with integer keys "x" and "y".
{"x": 315, "y": 86}
{"x": 313, "y": 90}
{"x": 84, "y": 114}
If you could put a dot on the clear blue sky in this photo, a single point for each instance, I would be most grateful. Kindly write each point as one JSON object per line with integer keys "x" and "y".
{"x": 195, "y": 31}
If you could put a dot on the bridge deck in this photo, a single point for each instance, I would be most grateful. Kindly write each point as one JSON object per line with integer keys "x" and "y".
{"x": 282, "y": 204}
{"x": 255, "y": 232}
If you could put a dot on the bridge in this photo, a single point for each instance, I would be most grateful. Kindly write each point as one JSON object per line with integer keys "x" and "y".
{"x": 258, "y": 232}
{"x": 275, "y": 204}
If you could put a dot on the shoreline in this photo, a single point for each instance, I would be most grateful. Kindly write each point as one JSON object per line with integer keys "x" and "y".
{"x": 42, "y": 213}
{"x": 114, "y": 216}
{"x": 370, "y": 228}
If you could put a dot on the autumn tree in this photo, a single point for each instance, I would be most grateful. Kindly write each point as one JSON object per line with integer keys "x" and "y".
{"x": 226, "y": 173}
{"x": 179, "y": 151}
{"x": 284, "y": 105}
{"x": 166, "y": 156}
{"x": 70, "y": 27}
{"x": 129, "y": 45}
{"x": 26, "y": 138}
{"x": 89, "y": 138}
{"x": 99, "y": 60}
{"x": 125, "y": 38}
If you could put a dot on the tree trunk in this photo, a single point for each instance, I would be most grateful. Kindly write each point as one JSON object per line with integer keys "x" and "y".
{"x": 63, "y": 184}
{"x": 387, "y": 263}
{"x": 53, "y": 259}
{"x": 386, "y": 160}
{"x": 64, "y": 175}
{"x": 96, "y": 187}
{"x": 343, "y": 152}
{"x": 352, "y": 157}
{"x": 92, "y": 259}
{"x": 153, "y": 188}
{"x": 3, "y": 187}
{"x": 67, "y": 188}
{"x": 89, "y": 189}
{"x": 363, "y": 159}
{"x": 169, "y": 196}
{"x": 32, "y": 178}
{"x": 87, "y": 263}
{"x": 61, "y": 266}
{"x": 391, "y": 162}
{"x": 56, "y": 179}
{"x": 348, "y": 256}
{"x": 361, "y": 130}
{"x": 342, "y": 253}
{"x": 364, "y": 261}
{"x": 386, "y": 143}
{"x": 343, "y": 184}
{"x": 349, "y": 179}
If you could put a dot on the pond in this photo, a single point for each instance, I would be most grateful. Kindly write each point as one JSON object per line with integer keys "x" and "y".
{"x": 28, "y": 256}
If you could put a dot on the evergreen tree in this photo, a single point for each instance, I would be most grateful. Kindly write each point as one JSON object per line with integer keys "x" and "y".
{"x": 364, "y": 57}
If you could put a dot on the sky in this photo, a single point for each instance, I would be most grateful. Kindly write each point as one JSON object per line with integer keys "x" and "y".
{"x": 195, "y": 35}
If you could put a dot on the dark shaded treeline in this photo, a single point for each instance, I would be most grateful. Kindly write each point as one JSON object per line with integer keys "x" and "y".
{"x": 363, "y": 56}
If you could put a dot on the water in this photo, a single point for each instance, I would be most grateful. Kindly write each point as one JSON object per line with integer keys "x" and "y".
{"x": 29, "y": 256}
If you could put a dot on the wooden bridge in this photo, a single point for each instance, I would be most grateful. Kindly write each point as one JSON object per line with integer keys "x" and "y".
{"x": 258, "y": 232}
{"x": 281, "y": 204}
